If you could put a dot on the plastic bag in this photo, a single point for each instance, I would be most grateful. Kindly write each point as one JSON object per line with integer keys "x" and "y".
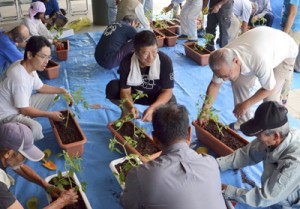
{"x": 78, "y": 24}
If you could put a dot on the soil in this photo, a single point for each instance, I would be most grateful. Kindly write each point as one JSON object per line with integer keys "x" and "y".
{"x": 157, "y": 35}
{"x": 80, "y": 204}
{"x": 120, "y": 167}
{"x": 227, "y": 138}
{"x": 195, "y": 48}
{"x": 144, "y": 145}
{"x": 62, "y": 46}
{"x": 166, "y": 33}
{"x": 70, "y": 133}
{"x": 51, "y": 64}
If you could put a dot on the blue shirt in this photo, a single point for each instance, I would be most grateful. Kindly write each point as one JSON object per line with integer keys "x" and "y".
{"x": 9, "y": 52}
{"x": 51, "y": 6}
{"x": 286, "y": 11}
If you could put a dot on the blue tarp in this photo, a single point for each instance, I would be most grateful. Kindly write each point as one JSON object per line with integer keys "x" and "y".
{"x": 81, "y": 70}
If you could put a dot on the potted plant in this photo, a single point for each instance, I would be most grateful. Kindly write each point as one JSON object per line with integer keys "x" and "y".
{"x": 160, "y": 38}
{"x": 61, "y": 46}
{"x": 134, "y": 138}
{"x": 218, "y": 137}
{"x": 52, "y": 70}
{"x": 167, "y": 24}
{"x": 68, "y": 179}
{"x": 198, "y": 52}
{"x": 68, "y": 133}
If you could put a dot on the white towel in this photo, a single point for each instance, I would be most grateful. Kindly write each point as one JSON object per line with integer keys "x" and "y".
{"x": 135, "y": 76}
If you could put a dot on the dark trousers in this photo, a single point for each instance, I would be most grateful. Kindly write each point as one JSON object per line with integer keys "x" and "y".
{"x": 223, "y": 19}
{"x": 113, "y": 93}
{"x": 269, "y": 17}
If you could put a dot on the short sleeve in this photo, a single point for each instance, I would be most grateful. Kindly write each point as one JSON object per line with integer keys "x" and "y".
{"x": 7, "y": 198}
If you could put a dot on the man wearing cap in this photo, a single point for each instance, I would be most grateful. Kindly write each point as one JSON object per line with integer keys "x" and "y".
{"x": 278, "y": 147}
{"x": 16, "y": 144}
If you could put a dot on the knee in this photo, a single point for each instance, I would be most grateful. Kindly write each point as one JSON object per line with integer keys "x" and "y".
{"x": 37, "y": 130}
{"x": 113, "y": 90}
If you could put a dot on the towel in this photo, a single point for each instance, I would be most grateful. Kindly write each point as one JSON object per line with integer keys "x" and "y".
{"x": 135, "y": 76}
{"x": 35, "y": 8}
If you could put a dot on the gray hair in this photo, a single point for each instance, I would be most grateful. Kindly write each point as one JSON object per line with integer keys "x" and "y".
{"x": 220, "y": 57}
{"x": 283, "y": 130}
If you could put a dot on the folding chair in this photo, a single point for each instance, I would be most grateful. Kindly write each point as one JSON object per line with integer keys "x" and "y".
{"x": 7, "y": 3}
{"x": 83, "y": 11}
{"x": 22, "y": 2}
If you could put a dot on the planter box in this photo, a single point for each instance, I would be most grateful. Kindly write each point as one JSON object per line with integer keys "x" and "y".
{"x": 112, "y": 166}
{"x": 159, "y": 37}
{"x": 72, "y": 133}
{"x": 148, "y": 141}
{"x": 52, "y": 70}
{"x": 63, "y": 53}
{"x": 83, "y": 195}
{"x": 215, "y": 144}
{"x": 167, "y": 25}
{"x": 201, "y": 59}
{"x": 170, "y": 37}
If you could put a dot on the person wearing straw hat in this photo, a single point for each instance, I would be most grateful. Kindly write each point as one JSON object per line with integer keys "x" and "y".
{"x": 277, "y": 146}
{"x": 16, "y": 145}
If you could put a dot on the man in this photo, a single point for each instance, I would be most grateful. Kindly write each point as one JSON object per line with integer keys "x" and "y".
{"x": 134, "y": 8}
{"x": 188, "y": 18}
{"x": 179, "y": 178}
{"x": 9, "y": 41}
{"x": 278, "y": 147}
{"x": 220, "y": 13}
{"x": 255, "y": 54}
{"x": 18, "y": 104}
{"x": 16, "y": 144}
{"x": 116, "y": 42}
{"x": 291, "y": 25}
{"x": 53, "y": 12}
{"x": 264, "y": 10}
{"x": 146, "y": 70}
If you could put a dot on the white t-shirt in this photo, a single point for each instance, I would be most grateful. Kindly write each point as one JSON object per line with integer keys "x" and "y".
{"x": 242, "y": 9}
{"x": 16, "y": 89}
{"x": 260, "y": 50}
{"x": 37, "y": 28}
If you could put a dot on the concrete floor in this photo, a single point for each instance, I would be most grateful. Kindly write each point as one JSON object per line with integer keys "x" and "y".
{"x": 294, "y": 96}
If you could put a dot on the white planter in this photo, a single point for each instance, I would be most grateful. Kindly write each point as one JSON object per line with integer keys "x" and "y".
{"x": 84, "y": 197}
{"x": 115, "y": 162}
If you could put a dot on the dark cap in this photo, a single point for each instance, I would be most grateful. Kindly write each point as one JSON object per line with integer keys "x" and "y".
{"x": 18, "y": 137}
{"x": 269, "y": 115}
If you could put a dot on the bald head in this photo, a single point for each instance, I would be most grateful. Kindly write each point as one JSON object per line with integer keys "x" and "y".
{"x": 20, "y": 34}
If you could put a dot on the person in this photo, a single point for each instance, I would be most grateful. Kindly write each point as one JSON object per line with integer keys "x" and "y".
{"x": 147, "y": 70}
{"x": 18, "y": 104}
{"x": 278, "y": 147}
{"x": 135, "y": 8}
{"x": 9, "y": 41}
{"x": 242, "y": 10}
{"x": 264, "y": 10}
{"x": 188, "y": 18}
{"x": 34, "y": 21}
{"x": 179, "y": 173}
{"x": 255, "y": 54}
{"x": 116, "y": 42}
{"x": 291, "y": 25}
{"x": 53, "y": 12}
{"x": 220, "y": 13}
{"x": 112, "y": 11}
{"x": 16, "y": 145}
{"x": 148, "y": 8}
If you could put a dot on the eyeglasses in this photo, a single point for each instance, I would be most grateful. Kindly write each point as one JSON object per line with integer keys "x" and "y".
{"x": 44, "y": 57}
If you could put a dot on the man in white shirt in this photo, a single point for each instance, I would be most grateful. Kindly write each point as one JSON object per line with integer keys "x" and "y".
{"x": 264, "y": 53}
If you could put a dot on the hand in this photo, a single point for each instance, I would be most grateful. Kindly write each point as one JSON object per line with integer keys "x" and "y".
{"x": 203, "y": 119}
{"x": 215, "y": 8}
{"x": 167, "y": 9}
{"x": 135, "y": 112}
{"x": 54, "y": 191}
{"x": 56, "y": 116}
{"x": 254, "y": 19}
{"x": 147, "y": 115}
{"x": 240, "y": 109}
{"x": 224, "y": 186}
{"x": 69, "y": 197}
{"x": 69, "y": 98}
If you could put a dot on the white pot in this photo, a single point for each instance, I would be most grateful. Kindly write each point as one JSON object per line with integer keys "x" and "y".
{"x": 84, "y": 197}
{"x": 115, "y": 162}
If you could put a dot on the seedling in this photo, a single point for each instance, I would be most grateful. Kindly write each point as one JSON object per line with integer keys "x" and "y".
{"x": 259, "y": 22}
{"x": 210, "y": 113}
{"x": 207, "y": 38}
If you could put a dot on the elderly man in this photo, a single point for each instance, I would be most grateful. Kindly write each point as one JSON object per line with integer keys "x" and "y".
{"x": 146, "y": 70}
{"x": 278, "y": 147}
{"x": 16, "y": 144}
{"x": 255, "y": 54}
{"x": 18, "y": 104}
{"x": 179, "y": 178}
{"x": 9, "y": 41}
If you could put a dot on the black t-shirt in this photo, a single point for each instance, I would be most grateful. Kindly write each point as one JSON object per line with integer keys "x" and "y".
{"x": 113, "y": 38}
{"x": 150, "y": 87}
{"x": 6, "y": 197}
